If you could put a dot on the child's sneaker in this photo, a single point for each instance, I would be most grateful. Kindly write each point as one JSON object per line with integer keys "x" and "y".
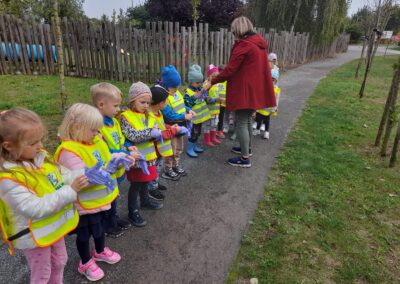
{"x": 254, "y": 125}
{"x": 266, "y": 135}
{"x": 238, "y": 150}
{"x": 123, "y": 224}
{"x": 161, "y": 187}
{"x": 156, "y": 195}
{"x": 136, "y": 219}
{"x": 170, "y": 174}
{"x": 262, "y": 128}
{"x": 151, "y": 204}
{"x": 256, "y": 132}
{"x": 91, "y": 270}
{"x": 239, "y": 162}
{"x": 179, "y": 170}
{"x": 115, "y": 232}
{"x": 107, "y": 255}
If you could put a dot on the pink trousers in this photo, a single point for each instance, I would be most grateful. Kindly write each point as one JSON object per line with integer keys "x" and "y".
{"x": 47, "y": 264}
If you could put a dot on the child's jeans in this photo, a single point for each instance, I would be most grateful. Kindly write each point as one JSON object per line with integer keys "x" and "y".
{"x": 177, "y": 149}
{"x": 260, "y": 119}
{"x": 195, "y": 133}
{"x": 47, "y": 264}
{"x": 211, "y": 124}
{"x": 135, "y": 190}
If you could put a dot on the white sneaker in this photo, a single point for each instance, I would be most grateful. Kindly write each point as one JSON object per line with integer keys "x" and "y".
{"x": 225, "y": 129}
{"x": 256, "y": 132}
{"x": 262, "y": 128}
{"x": 254, "y": 125}
{"x": 266, "y": 135}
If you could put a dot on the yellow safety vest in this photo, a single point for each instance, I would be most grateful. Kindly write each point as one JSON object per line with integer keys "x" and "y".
{"x": 176, "y": 102}
{"x": 272, "y": 110}
{"x": 222, "y": 93}
{"x": 41, "y": 181}
{"x": 94, "y": 196}
{"x": 200, "y": 108}
{"x": 115, "y": 140}
{"x": 139, "y": 122}
{"x": 165, "y": 149}
{"x": 213, "y": 93}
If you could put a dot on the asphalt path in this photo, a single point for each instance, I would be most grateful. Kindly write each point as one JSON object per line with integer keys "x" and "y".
{"x": 197, "y": 234}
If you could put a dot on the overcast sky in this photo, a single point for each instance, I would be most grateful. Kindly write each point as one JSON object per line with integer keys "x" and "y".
{"x": 96, "y": 8}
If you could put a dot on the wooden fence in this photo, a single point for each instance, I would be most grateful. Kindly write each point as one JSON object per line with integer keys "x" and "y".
{"x": 121, "y": 52}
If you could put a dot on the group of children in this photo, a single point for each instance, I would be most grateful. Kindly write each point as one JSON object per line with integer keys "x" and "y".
{"x": 44, "y": 197}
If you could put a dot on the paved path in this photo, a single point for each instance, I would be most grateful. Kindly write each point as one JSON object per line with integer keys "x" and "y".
{"x": 196, "y": 236}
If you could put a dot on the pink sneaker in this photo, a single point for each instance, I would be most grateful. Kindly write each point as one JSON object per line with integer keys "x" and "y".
{"x": 107, "y": 255}
{"x": 91, "y": 270}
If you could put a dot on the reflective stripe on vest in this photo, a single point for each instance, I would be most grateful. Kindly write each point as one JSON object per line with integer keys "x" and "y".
{"x": 222, "y": 93}
{"x": 177, "y": 103}
{"x": 42, "y": 181}
{"x": 213, "y": 93}
{"x": 94, "y": 196}
{"x": 138, "y": 121}
{"x": 272, "y": 110}
{"x": 115, "y": 141}
{"x": 165, "y": 150}
{"x": 200, "y": 108}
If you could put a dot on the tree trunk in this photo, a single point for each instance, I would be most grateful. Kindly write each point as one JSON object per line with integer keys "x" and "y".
{"x": 393, "y": 157}
{"x": 391, "y": 119}
{"x": 361, "y": 58}
{"x": 60, "y": 56}
{"x": 298, "y": 5}
{"x": 369, "y": 59}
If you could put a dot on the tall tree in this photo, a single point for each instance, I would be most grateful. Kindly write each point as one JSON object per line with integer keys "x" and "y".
{"x": 219, "y": 13}
{"x": 60, "y": 55}
{"x": 138, "y": 16}
{"x": 171, "y": 10}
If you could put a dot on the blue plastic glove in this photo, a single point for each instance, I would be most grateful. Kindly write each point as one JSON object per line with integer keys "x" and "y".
{"x": 99, "y": 176}
{"x": 155, "y": 133}
{"x": 113, "y": 165}
{"x": 183, "y": 130}
{"x": 189, "y": 128}
{"x": 143, "y": 165}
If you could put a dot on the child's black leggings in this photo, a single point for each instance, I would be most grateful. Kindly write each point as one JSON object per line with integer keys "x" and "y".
{"x": 262, "y": 118}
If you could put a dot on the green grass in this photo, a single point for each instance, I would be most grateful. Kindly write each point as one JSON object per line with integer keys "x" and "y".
{"x": 41, "y": 94}
{"x": 330, "y": 212}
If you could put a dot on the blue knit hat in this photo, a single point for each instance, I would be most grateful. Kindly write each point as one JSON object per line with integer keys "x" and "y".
{"x": 170, "y": 77}
{"x": 195, "y": 74}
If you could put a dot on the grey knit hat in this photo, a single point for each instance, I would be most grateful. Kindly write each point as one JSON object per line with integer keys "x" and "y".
{"x": 137, "y": 89}
{"x": 195, "y": 74}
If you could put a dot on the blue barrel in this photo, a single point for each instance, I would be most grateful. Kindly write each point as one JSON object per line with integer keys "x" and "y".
{"x": 36, "y": 54}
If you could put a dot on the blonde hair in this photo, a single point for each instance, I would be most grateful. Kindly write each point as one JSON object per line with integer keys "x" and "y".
{"x": 80, "y": 119}
{"x": 104, "y": 91}
{"x": 240, "y": 26}
{"x": 14, "y": 124}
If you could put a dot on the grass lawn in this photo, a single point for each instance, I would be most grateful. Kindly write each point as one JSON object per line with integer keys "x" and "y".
{"x": 330, "y": 212}
{"x": 41, "y": 94}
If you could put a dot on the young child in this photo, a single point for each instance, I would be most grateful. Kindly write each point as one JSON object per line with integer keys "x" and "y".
{"x": 158, "y": 103}
{"x": 82, "y": 148}
{"x": 195, "y": 99}
{"x": 175, "y": 112}
{"x": 264, "y": 115}
{"x": 213, "y": 102}
{"x": 140, "y": 130}
{"x": 36, "y": 196}
{"x": 107, "y": 99}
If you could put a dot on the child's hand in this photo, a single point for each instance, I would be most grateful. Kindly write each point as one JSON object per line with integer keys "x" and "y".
{"x": 79, "y": 183}
{"x": 134, "y": 153}
{"x": 206, "y": 86}
{"x": 198, "y": 94}
{"x": 192, "y": 112}
{"x": 218, "y": 100}
{"x": 175, "y": 127}
{"x": 155, "y": 133}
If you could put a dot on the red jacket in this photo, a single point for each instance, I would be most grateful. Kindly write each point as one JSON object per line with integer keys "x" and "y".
{"x": 248, "y": 74}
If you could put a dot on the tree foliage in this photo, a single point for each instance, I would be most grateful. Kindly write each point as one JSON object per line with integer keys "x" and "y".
{"x": 324, "y": 19}
{"x": 138, "y": 16}
{"x": 42, "y": 9}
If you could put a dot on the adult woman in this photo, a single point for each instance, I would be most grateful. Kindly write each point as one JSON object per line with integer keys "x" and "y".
{"x": 249, "y": 84}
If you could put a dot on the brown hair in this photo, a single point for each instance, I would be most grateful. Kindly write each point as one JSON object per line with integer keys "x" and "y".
{"x": 240, "y": 26}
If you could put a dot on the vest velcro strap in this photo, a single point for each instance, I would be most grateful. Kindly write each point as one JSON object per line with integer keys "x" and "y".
{"x": 19, "y": 234}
